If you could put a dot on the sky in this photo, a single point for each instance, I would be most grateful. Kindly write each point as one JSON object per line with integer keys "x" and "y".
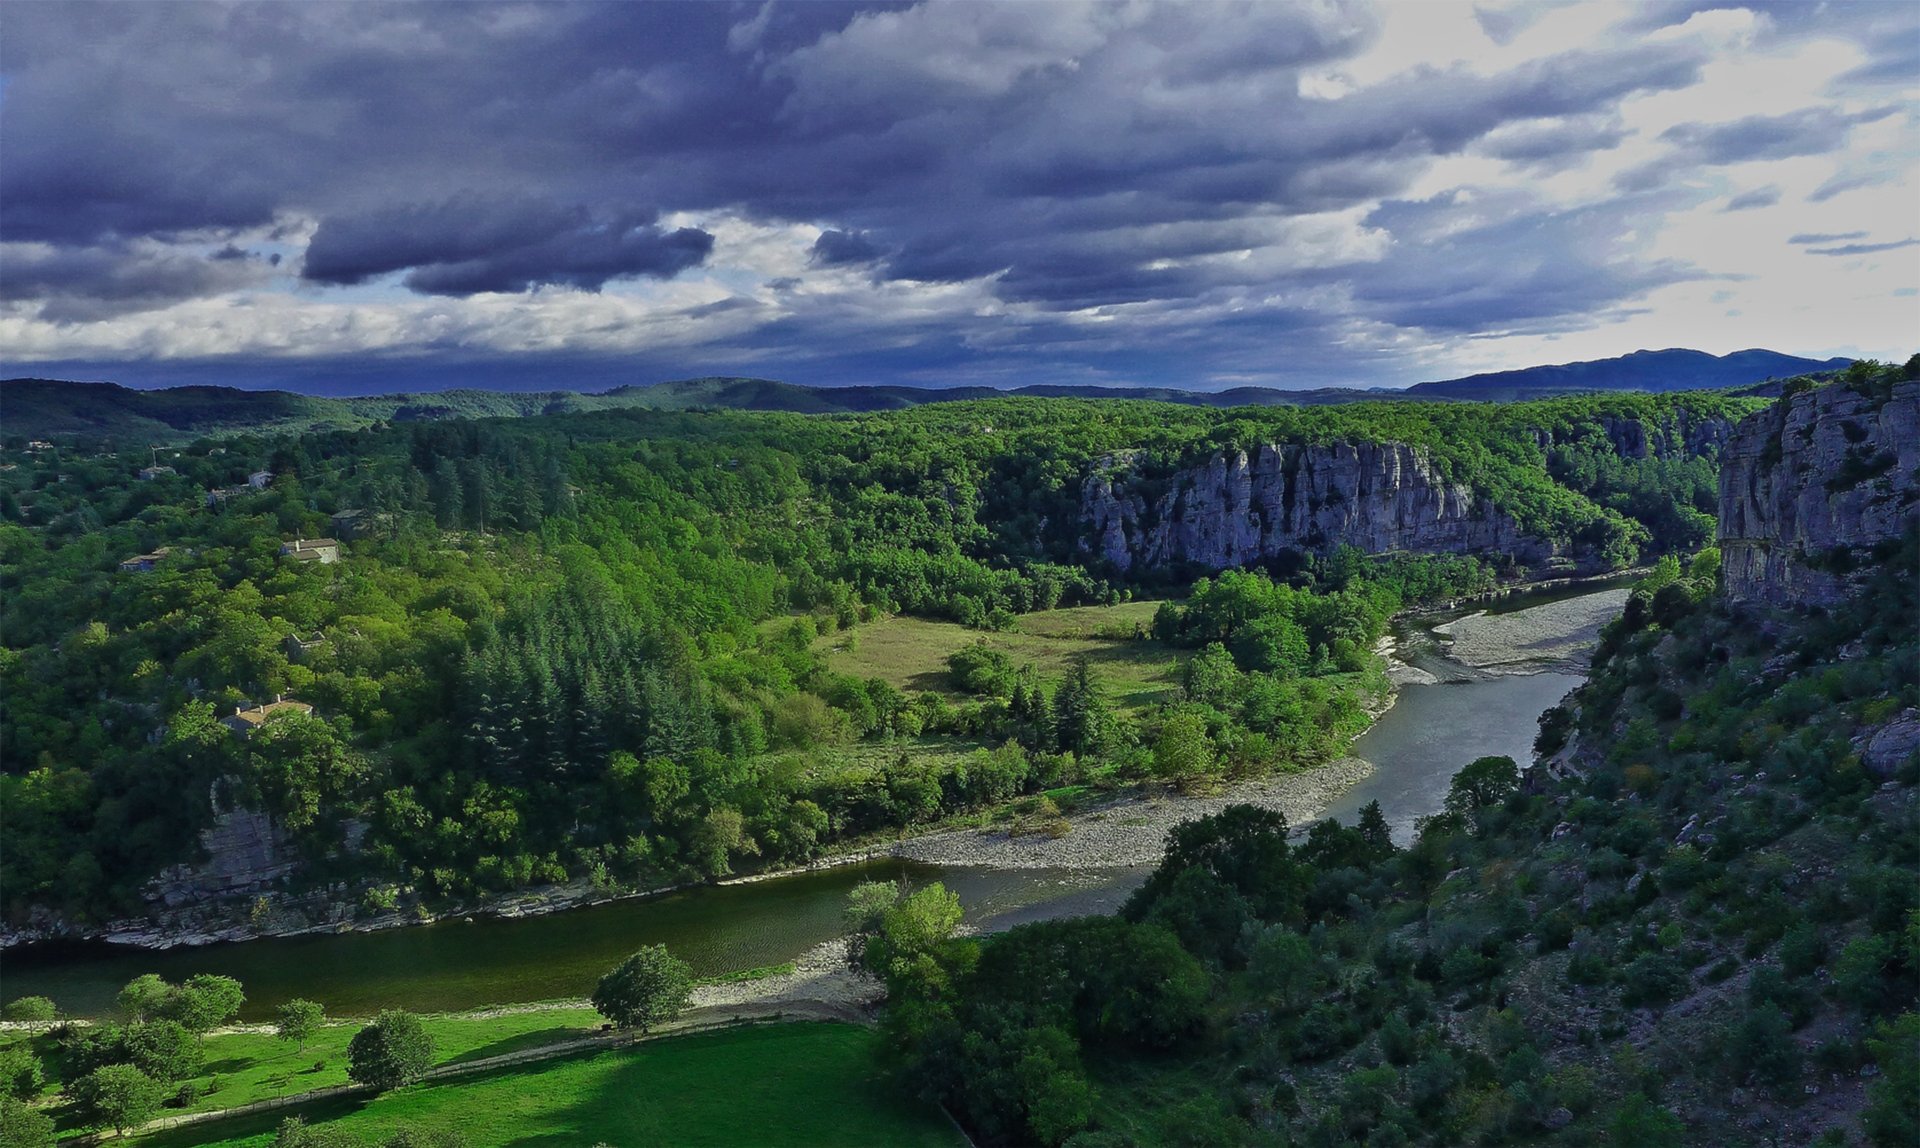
{"x": 364, "y": 197}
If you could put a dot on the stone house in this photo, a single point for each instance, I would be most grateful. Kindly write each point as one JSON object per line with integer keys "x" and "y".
{"x": 325, "y": 551}
{"x": 244, "y": 721}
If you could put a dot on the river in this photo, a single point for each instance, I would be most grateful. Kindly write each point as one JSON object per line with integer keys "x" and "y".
{"x": 1431, "y": 731}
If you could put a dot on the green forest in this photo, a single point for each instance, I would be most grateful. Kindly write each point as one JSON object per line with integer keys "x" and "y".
{"x": 599, "y": 645}
{"x": 1705, "y": 932}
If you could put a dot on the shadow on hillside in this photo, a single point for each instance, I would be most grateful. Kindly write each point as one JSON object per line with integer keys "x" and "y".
{"x": 518, "y": 1043}
{"x": 256, "y": 1124}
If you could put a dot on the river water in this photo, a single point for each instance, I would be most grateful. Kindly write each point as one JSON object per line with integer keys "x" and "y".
{"x": 1416, "y": 747}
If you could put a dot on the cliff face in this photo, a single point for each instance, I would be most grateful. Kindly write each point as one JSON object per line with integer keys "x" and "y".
{"x": 246, "y": 853}
{"x": 1243, "y": 506}
{"x": 1684, "y": 435}
{"x": 1811, "y": 479}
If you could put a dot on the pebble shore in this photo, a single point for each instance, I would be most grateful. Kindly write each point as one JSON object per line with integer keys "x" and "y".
{"x": 1132, "y": 832}
{"x": 1555, "y": 635}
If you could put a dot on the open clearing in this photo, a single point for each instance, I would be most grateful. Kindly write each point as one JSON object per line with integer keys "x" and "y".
{"x": 787, "y": 1084}
{"x": 911, "y": 653}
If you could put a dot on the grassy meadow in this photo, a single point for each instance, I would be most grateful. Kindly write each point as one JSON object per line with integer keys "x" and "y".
{"x": 247, "y": 1066}
{"x": 910, "y": 654}
{"x": 792, "y": 1084}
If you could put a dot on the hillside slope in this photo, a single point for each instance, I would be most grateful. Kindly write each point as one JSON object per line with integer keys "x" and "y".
{"x": 1674, "y": 369}
{"x": 1695, "y": 923}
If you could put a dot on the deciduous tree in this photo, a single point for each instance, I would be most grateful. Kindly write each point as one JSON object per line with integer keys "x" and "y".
{"x": 298, "y": 1020}
{"x": 648, "y": 988}
{"x": 395, "y": 1049}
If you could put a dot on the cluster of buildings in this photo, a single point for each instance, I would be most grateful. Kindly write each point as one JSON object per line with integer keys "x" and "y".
{"x": 325, "y": 551}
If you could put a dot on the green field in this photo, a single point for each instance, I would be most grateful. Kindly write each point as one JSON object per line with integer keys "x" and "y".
{"x": 911, "y": 653}
{"x": 256, "y": 1065}
{"x": 785, "y": 1084}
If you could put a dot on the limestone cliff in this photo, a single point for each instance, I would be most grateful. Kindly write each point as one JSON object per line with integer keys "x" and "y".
{"x": 1243, "y": 506}
{"x": 245, "y": 854}
{"x": 1811, "y": 485}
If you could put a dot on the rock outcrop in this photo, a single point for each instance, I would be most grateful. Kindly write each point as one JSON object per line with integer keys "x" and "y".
{"x": 246, "y": 853}
{"x": 1811, "y": 485}
{"x": 1243, "y": 506}
{"x": 1683, "y": 434}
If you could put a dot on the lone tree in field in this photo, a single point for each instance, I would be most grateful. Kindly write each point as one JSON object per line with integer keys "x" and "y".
{"x": 119, "y": 1096}
{"x": 650, "y": 987}
{"x": 298, "y": 1020}
{"x": 34, "y": 1012}
{"x": 394, "y": 1050}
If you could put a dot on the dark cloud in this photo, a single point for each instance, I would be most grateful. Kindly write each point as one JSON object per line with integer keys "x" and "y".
{"x": 837, "y": 248}
{"x": 1503, "y": 23}
{"x": 1863, "y": 248}
{"x": 1483, "y": 265}
{"x": 1553, "y": 143}
{"x": 85, "y": 284}
{"x": 1809, "y": 131}
{"x": 1024, "y": 124}
{"x": 1825, "y": 237}
{"x": 464, "y": 246}
{"x": 1759, "y": 197}
{"x": 1845, "y": 181}
{"x": 1164, "y": 158}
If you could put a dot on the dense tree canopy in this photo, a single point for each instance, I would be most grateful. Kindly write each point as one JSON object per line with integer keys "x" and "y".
{"x": 593, "y": 645}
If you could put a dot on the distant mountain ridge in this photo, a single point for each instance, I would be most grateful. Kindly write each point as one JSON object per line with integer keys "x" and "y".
{"x": 1674, "y": 369}
{"x": 46, "y": 408}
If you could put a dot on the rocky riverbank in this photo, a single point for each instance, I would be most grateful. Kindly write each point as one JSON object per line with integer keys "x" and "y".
{"x": 1552, "y": 636}
{"x": 1132, "y": 832}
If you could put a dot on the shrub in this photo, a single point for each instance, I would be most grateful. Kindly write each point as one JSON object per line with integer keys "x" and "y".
{"x": 1892, "y": 1118}
{"x": 395, "y": 1049}
{"x": 1761, "y": 1046}
{"x": 1802, "y": 950}
{"x": 1644, "y": 1124}
{"x": 1653, "y": 979}
{"x": 1860, "y": 972}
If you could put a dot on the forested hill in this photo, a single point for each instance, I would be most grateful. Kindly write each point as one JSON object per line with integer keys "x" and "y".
{"x": 630, "y": 645}
{"x": 1694, "y": 923}
{"x": 50, "y": 408}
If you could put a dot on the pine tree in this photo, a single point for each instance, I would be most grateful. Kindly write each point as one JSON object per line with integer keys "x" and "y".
{"x": 1082, "y": 719}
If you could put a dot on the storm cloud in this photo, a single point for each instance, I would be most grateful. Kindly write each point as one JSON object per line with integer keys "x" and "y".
{"x": 463, "y": 246}
{"x": 936, "y": 191}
